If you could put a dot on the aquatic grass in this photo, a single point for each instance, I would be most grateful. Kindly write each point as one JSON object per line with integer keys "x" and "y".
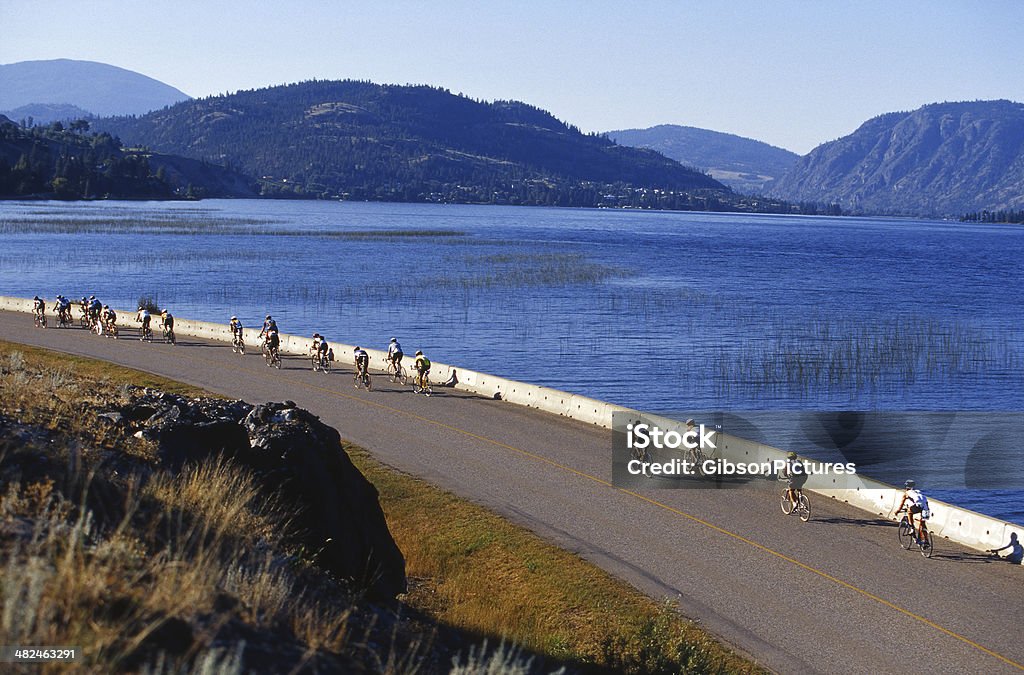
{"x": 824, "y": 354}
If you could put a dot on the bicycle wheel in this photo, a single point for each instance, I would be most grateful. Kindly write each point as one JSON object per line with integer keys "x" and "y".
{"x": 277, "y": 360}
{"x": 241, "y": 347}
{"x": 804, "y": 507}
{"x": 392, "y": 372}
{"x": 905, "y": 534}
{"x": 315, "y": 361}
{"x": 367, "y": 382}
{"x": 927, "y": 545}
{"x": 787, "y": 506}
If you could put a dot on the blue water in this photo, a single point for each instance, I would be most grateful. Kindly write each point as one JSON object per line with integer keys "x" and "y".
{"x": 653, "y": 310}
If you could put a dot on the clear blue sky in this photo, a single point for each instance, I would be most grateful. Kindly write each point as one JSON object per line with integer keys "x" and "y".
{"x": 794, "y": 74}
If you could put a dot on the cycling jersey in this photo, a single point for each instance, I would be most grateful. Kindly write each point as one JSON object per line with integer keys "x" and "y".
{"x": 919, "y": 503}
{"x": 236, "y": 327}
{"x": 361, "y": 356}
{"x": 393, "y": 349}
{"x": 323, "y": 347}
{"x": 168, "y": 321}
{"x": 422, "y": 364}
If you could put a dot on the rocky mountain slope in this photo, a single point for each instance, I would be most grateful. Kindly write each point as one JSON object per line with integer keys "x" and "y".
{"x": 944, "y": 159}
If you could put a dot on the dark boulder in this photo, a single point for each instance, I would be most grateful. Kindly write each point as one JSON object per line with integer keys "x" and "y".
{"x": 344, "y": 514}
{"x": 297, "y": 456}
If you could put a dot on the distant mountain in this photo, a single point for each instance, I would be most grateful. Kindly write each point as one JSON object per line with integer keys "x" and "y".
{"x": 940, "y": 160}
{"x": 98, "y": 88}
{"x": 71, "y": 163}
{"x": 44, "y": 113}
{"x": 741, "y": 163}
{"x": 410, "y": 143}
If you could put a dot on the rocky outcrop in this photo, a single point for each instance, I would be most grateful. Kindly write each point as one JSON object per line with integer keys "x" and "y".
{"x": 294, "y": 454}
{"x": 942, "y": 159}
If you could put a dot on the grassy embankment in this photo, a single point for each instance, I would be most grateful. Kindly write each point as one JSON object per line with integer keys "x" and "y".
{"x": 176, "y": 561}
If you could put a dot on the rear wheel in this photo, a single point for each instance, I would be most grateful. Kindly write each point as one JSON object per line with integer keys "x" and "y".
{"x": 927, "y": 546}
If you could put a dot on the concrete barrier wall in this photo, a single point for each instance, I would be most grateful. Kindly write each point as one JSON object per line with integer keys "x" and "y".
{"x": 952, "y": 522}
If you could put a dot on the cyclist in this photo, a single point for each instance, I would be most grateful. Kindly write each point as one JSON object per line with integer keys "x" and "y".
{"x": 167, "y": 323}
{"x": 918, "y": 504}
{"x": 273, "y": 343}
{"x": 236, "y": 328}
{"x": 395, "y": 353}
{"x": 109, "y": 320}
{"x": 362, "y": 360}
{"x": 83, "y": 305}
{"x": 268, "y": 325}
{"x": 39, "y": 308}
{"x": 95, "y": 307}
{"x": 422, "y": 369}
{"x": 793, "y": 471}
{"x": 62, "y": 307}
{"x": 322, "y": 350}
{"x": 315, "y": 347}
{"x": 144, "y": 318}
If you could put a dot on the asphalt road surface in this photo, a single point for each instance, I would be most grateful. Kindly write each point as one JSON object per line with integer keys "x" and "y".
{"x": 834, "y": 595}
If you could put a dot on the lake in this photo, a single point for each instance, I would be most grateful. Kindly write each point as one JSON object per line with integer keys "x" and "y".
{"x": 662, "y": 311}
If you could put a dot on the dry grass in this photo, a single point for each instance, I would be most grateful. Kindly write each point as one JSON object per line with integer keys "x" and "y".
{"x": 205, "y": 549}
{"x": 480, "y": 572}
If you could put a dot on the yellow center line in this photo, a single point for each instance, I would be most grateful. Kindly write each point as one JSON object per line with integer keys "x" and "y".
{"x": 653, "y": 502}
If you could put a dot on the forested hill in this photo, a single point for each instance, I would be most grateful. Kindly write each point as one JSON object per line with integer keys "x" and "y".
{"x": 945, "y": 159}
{"x": 54, "y": 161}
{"x": 409, "y": 143}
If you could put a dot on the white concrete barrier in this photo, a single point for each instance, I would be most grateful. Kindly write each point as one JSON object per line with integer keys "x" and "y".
{"x": 952, "y": 522}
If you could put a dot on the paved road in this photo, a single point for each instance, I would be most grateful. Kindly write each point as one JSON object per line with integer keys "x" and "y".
{"x": 834, "y": 595}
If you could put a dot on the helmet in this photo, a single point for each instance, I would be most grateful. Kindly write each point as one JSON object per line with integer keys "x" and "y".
{"x": 689, "y": 421}
{"x": 268, "y": 317}
{"x": 234, "y": 318}
{"x": 394, "y": 339}
{"x": 790, "y": 455}
{"x": 419, "y": 353}
{"x": 356, "y": 349}
{"x": 141, "y": 308}
{"x": 909, "y": 484}
{"x": 92, "y": 297}
{"x": 106, "y": 306}
{"x": 316, "y": 334}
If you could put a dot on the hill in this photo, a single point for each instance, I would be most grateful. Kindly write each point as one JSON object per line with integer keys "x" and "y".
{"x": 44, "y": 113}
{"x": 940, "y": 160}
{"x": 741, "y": 163}
{"x": 98, "y": 88}
{"x": 361, "y": 140}
{"x": 70, "y": 163}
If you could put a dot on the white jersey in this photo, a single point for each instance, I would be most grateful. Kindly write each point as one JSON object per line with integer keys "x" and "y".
{"x": 918, "y": 499}
{"x": 394, "y": 348}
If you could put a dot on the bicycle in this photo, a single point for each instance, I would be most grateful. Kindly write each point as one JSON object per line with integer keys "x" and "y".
{"x": 362, "y": 379}
{"x": 111, "y": 330}
{"x": 397, "y": 373}
{"x": 147, "y": 334}
{"x": 272, "y": 357}
{"x": 40, "y": 320}
{"x": 238, "y": 344}
{"x": 64, "y": 318}
{"x": 802, "y": 508}
{"x": 423, "y": 387}
{"x": 320, "y": 362}
{"x": 908, "y": 538}
{"x": 83, "y": 320}
{"x": 169, "y": 336}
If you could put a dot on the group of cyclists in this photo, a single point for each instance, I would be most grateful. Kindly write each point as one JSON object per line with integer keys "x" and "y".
{"x": 913, "y": 500}
{"x": 322, "y": 355}
{"x": 100, "y": 318}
